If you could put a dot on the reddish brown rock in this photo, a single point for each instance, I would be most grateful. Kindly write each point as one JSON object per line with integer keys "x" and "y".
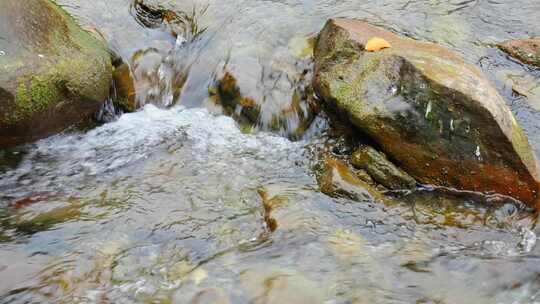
{"x": 433, "y": 114}
{"x": 526, "y": 50}
{"x": 125, "y": 88}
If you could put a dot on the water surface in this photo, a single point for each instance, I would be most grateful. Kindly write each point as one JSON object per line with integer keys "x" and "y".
{"x": 166, "y": 205}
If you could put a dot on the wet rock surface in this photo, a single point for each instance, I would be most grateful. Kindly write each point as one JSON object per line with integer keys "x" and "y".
{"x": 54, "y": 73}
{"x": 449, "y": 208}
{"x": 426, "y": 108}
{"x": 339, "y": 181}
{"x": 293, "y": 118}
{"x": 179, "y": 23}
{"x": 381, "y": 169}
{"x": 124, "y": 84}
{"x": 526, "y": 50}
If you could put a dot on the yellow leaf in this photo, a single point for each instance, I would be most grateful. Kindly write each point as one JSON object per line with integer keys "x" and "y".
{"x": 376, "y": 44}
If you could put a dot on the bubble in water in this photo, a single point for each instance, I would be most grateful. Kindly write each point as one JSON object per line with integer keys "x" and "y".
{"x": 528, "y": 240}
{"x": 180, "y": 41}
{"x": 2, "y": 53}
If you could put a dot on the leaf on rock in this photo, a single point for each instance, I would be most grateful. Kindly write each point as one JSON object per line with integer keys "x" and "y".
{"x": 376, "y": 44}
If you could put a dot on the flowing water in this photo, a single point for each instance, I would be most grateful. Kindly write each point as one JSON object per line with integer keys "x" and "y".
{"x": 167, "y": 204}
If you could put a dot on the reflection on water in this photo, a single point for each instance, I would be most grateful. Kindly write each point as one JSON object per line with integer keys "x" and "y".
{"x": 174, "y": 204}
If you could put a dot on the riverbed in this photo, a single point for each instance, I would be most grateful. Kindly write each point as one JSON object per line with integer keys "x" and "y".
{"x": 167, "y": 204}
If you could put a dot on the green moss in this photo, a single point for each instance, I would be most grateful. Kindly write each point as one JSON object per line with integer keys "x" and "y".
{"x": 34, "y": 95}
{"x": 80, "y": 37}
{"x": 75, "y": 62}
{"x": 348, "y": 94}
{"x": 521, "y": 145}
{"x": 123, "y": 102}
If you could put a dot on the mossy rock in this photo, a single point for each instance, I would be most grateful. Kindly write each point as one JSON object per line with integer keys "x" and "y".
{"x": 434, "y": 115}
{"x": 54, "y": 74}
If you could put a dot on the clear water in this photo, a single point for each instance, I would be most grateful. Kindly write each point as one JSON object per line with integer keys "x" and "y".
{"x": 166, "y": 205}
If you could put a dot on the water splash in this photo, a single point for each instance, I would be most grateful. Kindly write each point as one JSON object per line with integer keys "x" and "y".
{"x": 528, "y": 241}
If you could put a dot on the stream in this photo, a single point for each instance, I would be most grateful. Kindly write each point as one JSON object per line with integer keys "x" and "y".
{"x": 167, "y": 204}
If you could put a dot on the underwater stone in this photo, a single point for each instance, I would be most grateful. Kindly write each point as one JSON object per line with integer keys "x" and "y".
{"x": 337, "y": 180}
{"x": 381, "y": 169}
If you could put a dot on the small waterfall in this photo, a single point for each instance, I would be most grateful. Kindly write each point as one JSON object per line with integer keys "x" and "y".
{"x": 161, "y": 70}
{"x": 270, "y": 94}
{"x": 158, "y": 75}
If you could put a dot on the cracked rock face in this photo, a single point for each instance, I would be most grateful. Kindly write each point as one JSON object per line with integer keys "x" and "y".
{"x": 431, "y": 113}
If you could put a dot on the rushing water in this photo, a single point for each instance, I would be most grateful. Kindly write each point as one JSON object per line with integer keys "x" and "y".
{"x": 166, "y": 205}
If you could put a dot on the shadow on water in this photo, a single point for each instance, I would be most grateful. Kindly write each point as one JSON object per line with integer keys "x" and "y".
{"x": 175, "y": 204}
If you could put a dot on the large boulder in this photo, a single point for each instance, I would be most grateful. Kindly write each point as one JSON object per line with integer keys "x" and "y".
{"x": 429, "y": 111}
{"x": 54, "y": 73}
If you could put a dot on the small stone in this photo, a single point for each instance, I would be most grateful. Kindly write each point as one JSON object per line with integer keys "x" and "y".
{"x": 381, "y": 169}
{"x": 198, "y": 275}
{"x": 364, "y": 176}
{"x": 293, "y": 117}
{"x": 179, "y": 271}
{"x": 339, "y": 181}
{"x": 267, "y": 285}
{"x": 345, "y": 244}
